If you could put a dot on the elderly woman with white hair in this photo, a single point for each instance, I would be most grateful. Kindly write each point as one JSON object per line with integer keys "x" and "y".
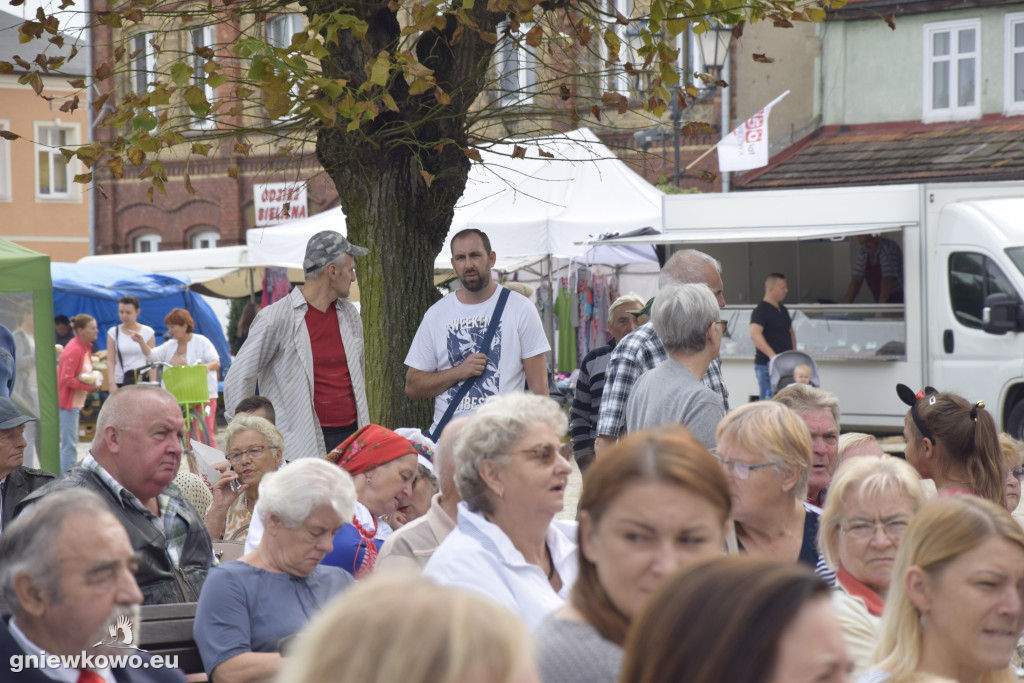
{"x": 511, "y": 471}
{"x": 765, "y": 449}
{"x": 248, "y": 606}
{"x": 870, "y": 504}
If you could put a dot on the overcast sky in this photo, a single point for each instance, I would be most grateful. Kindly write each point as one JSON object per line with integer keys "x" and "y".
{"x": 69, "y": 19}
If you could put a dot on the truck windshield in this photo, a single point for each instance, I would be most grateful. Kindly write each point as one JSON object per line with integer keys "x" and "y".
{"x": 1016, "y": 255}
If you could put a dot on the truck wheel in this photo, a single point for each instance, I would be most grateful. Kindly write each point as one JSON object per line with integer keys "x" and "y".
{"x": 1015, "y": 422}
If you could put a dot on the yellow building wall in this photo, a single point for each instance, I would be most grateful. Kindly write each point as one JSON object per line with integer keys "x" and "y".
{"x": 56, "y": 227}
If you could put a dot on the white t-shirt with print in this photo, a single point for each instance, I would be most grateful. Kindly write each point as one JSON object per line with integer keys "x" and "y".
{"x": 451, "y": 331}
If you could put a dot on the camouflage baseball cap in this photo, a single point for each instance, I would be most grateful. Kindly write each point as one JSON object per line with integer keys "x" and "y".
{"x": 325, "y": 247}
{"x": 646, "y": 310}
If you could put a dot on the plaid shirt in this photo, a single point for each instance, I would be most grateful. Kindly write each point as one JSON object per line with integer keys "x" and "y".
{"x": 171, "y": 523}
{"x": 641, "y": 350}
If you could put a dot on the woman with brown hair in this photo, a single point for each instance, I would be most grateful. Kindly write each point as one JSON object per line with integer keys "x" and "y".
{"x": 954, "y": 443}
{"x": 655, "y": 502}
{"x": 75, "y": 380}
{"x": 741, "y": 620}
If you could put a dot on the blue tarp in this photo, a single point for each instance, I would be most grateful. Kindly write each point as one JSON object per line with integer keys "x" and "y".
{"x": 94, "y": 288}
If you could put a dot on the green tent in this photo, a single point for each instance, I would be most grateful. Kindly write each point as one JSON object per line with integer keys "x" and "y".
{"x": 26, "y": 310}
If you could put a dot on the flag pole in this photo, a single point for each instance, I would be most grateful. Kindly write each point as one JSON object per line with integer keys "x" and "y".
{"x": 706, "y": 152}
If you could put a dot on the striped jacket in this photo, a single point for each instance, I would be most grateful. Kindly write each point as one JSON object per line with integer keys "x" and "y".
{"x": 587, "y": 400}
{"x": 277, "y": 355}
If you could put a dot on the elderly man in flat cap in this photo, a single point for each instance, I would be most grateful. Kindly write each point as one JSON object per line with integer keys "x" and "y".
{"x": 16, "y": 480}
{"x": 305, "y": 352}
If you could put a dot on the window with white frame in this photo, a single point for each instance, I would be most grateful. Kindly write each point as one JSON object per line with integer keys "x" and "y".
{"x": 619, "y": 80}
{"x": 143, "y": 62}
{"x": 1013, "y": 72}
{"x": 147, "y": 242}
{"x": 53, "y": 174}
{"x": 5, "y": 163}
{"x": 205, "y": 240}
{"x": 203, "y": 36}
{"x": 952, "y": 73}
{"x": 517, "y": 66}
{"x": 280, "y": 29}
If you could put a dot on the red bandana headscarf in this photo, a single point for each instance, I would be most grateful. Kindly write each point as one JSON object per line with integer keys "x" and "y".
{"x": 370, "y": 447}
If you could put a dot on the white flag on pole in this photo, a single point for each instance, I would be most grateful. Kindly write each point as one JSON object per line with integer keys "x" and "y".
{"x": 747, "y": 146}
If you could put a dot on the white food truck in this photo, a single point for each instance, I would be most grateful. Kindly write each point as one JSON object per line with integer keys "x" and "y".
{"x": 960, "y": 327}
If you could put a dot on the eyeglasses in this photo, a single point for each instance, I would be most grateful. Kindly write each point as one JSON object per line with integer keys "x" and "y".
{"x": 545, "y": 453}
{"x": 741, "y": 469}
{"x": 724, "y": 325}
{"x": 862, "y": 530}
{"x": 253, "y": 453}
{"x": 1018, "y": 473}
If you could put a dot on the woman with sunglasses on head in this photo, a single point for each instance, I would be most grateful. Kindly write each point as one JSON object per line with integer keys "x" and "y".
{"x": 254, "y": 448}
{"x": 655, "y": 502}
{"x": 511, "y": 471}
{"x": 766, "y": 449}
{"x": 954, "y": 443}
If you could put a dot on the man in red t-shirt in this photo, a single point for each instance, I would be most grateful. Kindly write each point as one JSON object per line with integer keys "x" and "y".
{"x": 305, "y": 352}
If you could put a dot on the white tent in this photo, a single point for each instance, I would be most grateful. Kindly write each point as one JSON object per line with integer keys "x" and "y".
{"x": 530, "y": 208}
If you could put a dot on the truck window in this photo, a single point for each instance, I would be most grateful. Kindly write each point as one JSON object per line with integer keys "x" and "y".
{"x": 972, "y": 277}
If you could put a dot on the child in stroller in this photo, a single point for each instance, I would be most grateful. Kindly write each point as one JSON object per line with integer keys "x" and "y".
{"x": 782, "y": 369}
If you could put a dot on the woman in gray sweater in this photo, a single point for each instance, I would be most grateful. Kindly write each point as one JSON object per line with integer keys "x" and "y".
{"x": 654, "y": 503}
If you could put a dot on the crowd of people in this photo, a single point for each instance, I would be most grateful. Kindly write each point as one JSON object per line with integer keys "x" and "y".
{"x": 710, "y": 542}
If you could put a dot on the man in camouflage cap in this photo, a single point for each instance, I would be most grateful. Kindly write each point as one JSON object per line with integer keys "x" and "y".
{"x": 305, "y": 353}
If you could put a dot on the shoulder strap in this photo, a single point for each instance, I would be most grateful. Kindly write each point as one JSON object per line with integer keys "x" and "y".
{"x": 485, "y": 347}
{"x": 117, "y": 345}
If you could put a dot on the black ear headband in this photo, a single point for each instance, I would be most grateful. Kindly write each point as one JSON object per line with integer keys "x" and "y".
{"x": 908, "y": 396}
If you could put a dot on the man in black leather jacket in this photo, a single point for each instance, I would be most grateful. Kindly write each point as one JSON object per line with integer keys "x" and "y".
{"x": 135, "y": 454}
{"x": 16, "y": 480}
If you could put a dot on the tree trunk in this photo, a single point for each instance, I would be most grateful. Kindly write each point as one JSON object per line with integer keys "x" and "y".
{"x": 388, "y": 209}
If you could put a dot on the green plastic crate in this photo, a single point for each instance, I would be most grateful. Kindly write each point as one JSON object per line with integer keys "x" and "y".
{"x": 187, "y": 383}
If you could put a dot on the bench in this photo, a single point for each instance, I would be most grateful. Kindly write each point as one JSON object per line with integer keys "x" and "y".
{"x": 166, "y": 630}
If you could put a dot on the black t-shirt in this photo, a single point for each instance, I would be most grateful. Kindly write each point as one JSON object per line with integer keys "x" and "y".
{"x": 776, "y": 323}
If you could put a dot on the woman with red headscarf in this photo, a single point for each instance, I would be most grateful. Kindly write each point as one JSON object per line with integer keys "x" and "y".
{"x": 383, "y": 467}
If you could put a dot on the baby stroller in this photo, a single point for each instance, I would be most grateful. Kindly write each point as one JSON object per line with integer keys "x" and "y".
{"x": 780, "y": 369}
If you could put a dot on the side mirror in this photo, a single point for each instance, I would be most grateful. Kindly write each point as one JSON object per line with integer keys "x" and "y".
{"x": 1001, "y": 314}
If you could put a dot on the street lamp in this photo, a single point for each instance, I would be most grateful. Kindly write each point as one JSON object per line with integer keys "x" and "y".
{"x": 713, "y": 45}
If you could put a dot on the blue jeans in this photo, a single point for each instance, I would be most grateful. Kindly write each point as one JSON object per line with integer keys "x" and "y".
{"x": 68, "y": 438}
{"x": 764, "y": 385}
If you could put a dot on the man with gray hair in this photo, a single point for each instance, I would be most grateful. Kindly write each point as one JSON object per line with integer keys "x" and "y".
{"x": 686, "y": 318}
{"x": 305, "y": 353}
{"x": 134, "y": 457}
{"x": 586, "y": 402}
{"x": 642, "y": 350}
{"x": 820, "y": 410}
{"x": 412, "y": 545}
{"x": 66, "y": 571}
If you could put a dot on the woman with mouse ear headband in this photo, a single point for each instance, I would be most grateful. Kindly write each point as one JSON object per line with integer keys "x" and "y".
{"x": 953, "y": 442}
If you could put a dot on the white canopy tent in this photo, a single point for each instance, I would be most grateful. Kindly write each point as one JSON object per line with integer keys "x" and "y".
{"x": 531, "y": 208}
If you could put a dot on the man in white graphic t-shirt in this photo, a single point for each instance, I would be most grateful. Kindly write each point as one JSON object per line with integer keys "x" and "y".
{"x": 445, "y": 352}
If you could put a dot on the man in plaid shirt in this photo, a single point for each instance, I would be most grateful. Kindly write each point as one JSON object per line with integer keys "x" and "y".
{"x": 642, "y": 350}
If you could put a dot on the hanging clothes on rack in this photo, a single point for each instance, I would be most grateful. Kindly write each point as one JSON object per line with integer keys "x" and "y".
{"x": 275, "y": 285}
{"x": 566, "y": 358}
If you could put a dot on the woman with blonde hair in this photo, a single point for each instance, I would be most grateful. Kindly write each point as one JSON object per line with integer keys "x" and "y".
{"x": 401, "y": 627}
{"x": 766, "y": 450}
{"x": 954, "y": 606}
{"x": 870, "y": 503}
{"x": 1012, "y": 459}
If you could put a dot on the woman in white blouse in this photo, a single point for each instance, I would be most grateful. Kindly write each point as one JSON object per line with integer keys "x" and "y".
{"x": 511, "y": 472}
{"x": 186, "y": 347}
{"x": 128, "y": 344}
